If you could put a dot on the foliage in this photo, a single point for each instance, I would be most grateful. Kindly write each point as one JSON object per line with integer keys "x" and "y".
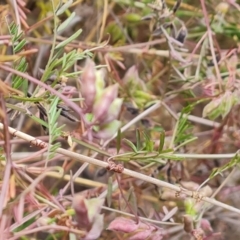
{"x": 145, "y": 89}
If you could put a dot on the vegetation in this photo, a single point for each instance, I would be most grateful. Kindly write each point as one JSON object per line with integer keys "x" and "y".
{"x": 119, "y": 119}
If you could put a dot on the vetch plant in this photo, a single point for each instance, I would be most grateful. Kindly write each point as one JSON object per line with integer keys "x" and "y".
{"x": 138, "y": 94}
{"x": 101, "y": 105}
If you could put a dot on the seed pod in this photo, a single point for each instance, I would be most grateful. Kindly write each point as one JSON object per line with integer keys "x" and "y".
{"x": 88, "y": 87}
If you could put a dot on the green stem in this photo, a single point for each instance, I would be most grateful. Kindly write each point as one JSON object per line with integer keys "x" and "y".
{"x": 43, "y": 78}
{"x": 27, "y": 99}
{"x": 89, "y": 146}
{"x": 53, "y": 43}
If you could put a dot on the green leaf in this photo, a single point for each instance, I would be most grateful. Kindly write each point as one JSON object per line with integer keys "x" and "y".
{"x": 17, "y": 80}
{"x": 56, "y": 57}
{"x": 190, "y": 207}
{"x": 20, "y": 46}
{"x": 109, "y": 192}
{"x": 55, "y": 147}
{"x": 214, "y": 172}
{"x": 93, "y": 207}
{"x": 64, "y": 60}
{"x": 132, "y": 17}
{"x": 233, "y": 162}
{"x": 115, "y": 31}
{"x": 65, "y": 42}
{"x": 132, "y": 199}
{"x": 66, "y": 22}
{"x": 171, "y": 157}
{"x": 138, "y": 138}
{"x": 13, "y": 28}
{"x": 184, "y": 131}
{"x": 38, "y": 120}
{"x": 211, "y": 109}
{"x": 149, "y": 144}
{"x": 220, "y": 106}
{"x": 131, "y": 145}
{"x": 71, "y": 59}
{"x": 119, "y": 138}
{"x": 162, "y": 139}
{"x": 25, "y": 86}
{"x": 54, "y": 131}
{"x": 64, "y": 7}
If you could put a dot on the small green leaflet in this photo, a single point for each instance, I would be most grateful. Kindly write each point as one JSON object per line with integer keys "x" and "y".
{"x": 66, "y": 22}
{"x": 65, "y": 42}
{"x": 64, "y": 7}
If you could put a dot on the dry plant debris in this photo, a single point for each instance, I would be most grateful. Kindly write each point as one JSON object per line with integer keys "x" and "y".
{"x": 119, "y": 119}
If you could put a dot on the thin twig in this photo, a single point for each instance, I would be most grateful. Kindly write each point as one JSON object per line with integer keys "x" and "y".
{"x": 142, "y": 218}
{"x": 81, "y": 158}
{"x": 7, "y": 148}
{"x": 209, "y": 31}
{"x": 15, "y": 7}
{"x": 123, "y": 129}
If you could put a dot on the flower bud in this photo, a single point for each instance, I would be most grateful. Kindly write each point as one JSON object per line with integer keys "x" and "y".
{"x": 132, "y": 80}
{"x": 131, "y": 75}
{"x": 114, "y": 110}
{"x": 88, "y": 87}
{"x": 100, "y": 82}
{"x": 101, "y": 106}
